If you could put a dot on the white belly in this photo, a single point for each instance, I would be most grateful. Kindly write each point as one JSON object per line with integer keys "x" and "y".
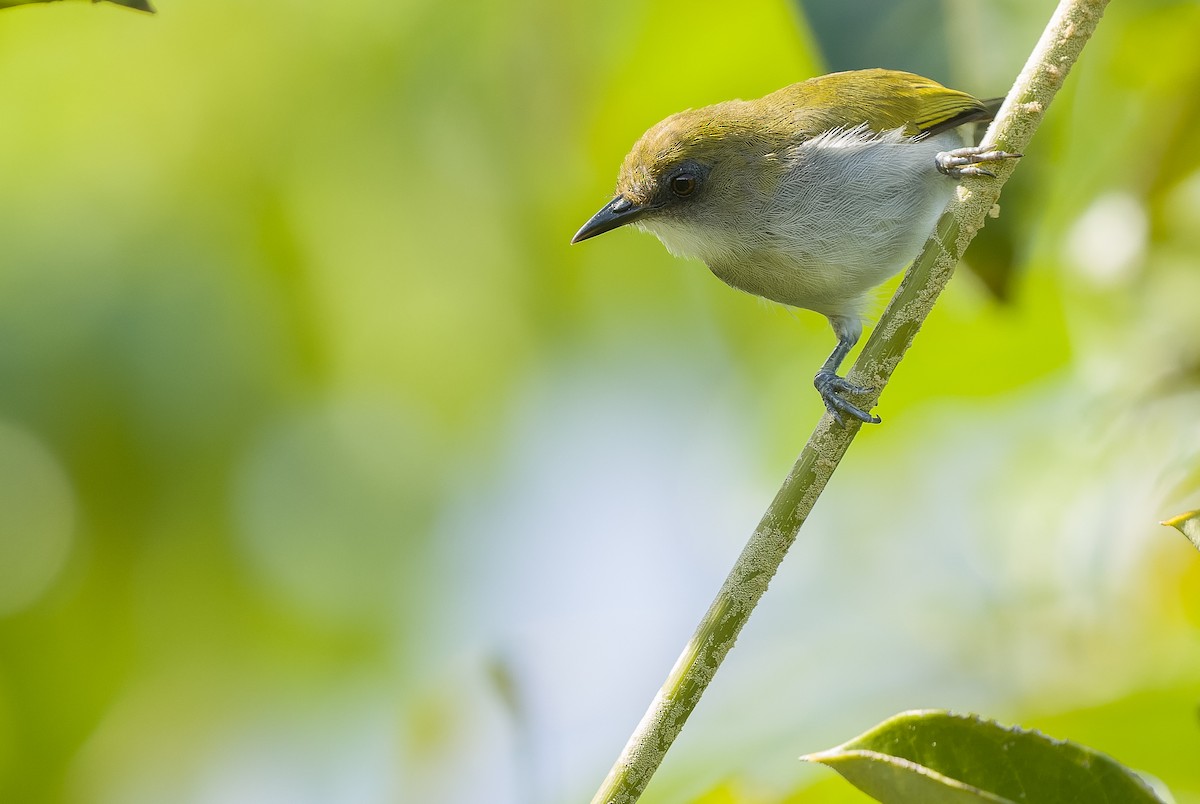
{"x": 852, "y": 210}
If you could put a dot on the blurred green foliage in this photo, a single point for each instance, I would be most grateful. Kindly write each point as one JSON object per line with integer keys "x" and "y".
{"x": 330, "y": 473}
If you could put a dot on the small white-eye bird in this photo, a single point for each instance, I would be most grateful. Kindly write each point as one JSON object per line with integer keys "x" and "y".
{"x": 810, "y": 196}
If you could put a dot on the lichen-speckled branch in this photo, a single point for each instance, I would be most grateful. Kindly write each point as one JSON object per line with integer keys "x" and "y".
{"x": 1024, "y": 107}
{"x": 140, "y": 5}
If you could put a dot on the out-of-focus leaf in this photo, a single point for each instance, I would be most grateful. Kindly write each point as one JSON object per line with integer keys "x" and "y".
{"x": 140, "y": 5}
{"x": 1188, "y": 524}
{"x": 860, "y": 33}
{"x": 934, "y": 757}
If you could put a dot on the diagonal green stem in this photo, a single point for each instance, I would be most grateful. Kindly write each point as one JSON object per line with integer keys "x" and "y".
{"x": 1060, "y": 45}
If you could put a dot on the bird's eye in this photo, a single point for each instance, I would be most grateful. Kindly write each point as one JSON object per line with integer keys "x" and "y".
{"x": 683, "y": 184}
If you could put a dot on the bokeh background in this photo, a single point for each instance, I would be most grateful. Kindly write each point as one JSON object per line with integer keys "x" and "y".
{"x": 329, "y": 472}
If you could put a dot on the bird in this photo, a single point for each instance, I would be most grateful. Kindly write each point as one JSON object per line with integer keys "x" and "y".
{"x": 810, "y": 196}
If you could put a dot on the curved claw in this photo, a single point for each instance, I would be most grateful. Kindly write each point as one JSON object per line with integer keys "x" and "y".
{"x": 829, "y": 386}
{"x": 964, "y": 161}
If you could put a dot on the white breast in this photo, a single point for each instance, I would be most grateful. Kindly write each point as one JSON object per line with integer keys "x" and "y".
{"x": 852, "y": 210}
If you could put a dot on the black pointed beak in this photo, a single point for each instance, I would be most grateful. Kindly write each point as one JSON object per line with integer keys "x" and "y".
{"x": 617, "y": 212}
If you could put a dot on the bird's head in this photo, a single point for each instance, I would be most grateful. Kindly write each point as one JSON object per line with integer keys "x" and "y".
{"x": 696, "y": 179}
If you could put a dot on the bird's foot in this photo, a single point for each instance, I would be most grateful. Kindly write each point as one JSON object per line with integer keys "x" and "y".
{"x": 965, "y": 161}
{"x": 829, "y": 386}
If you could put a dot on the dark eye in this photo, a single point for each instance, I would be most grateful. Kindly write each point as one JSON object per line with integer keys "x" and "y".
{"x": 684, "y": 184}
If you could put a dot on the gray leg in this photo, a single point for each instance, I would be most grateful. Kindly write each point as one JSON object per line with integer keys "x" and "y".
{"x": 829, "y": 385}
{"x": 965, "y": 161}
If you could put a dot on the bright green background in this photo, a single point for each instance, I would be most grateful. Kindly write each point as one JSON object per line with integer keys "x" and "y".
{"x": 329, "y": 472}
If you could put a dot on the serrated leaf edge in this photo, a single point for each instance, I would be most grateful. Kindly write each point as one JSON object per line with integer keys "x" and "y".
{"x": 923, "y": 714}
{"x": 831, "y": 758}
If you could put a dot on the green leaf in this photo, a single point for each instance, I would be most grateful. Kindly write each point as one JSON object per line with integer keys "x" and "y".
{"x": 1188, "y": 524}
{"x": 140, "y": 5}
{"x": 934, "y": 757}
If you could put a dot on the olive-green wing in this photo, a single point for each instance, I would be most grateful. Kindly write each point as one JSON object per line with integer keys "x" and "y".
{"x": 883, "y": 100}
{"x": 933, "y": 108}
